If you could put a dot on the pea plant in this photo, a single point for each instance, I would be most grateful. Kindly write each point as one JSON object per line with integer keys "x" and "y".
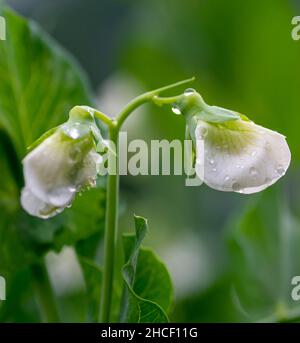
{"x": 229, "y": 153}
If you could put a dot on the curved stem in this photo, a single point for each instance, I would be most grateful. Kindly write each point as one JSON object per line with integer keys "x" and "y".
{"x": 165, "y": 100}
{"x": 113, "y": 192}
{"x": 103, "y": 117}
{"x": 141, "y": 99}
{"x": 111, "y": 220}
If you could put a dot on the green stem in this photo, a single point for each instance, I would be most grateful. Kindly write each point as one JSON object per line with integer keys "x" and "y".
{"x": 157, "y": 100}
{"x": 103, "y": 117}
{"x": 113, "y": 192}
{"x": 110, "y": 233}
{"x": 149, "y": 96}
{"x": 46, "y": 298}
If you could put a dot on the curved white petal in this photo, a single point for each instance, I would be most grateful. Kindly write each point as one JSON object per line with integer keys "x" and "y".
{"x": 59, "y": 167}
{"x": 241, "y": 156}
{"x": 48, "y": 171}
{"x": 90, "y": 168}
{"x": 36, "y": 207}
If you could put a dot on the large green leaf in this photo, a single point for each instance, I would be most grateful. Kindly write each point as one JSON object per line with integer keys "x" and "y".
{"x": 265, "y": 256}
{"x": 148, "y": 289}
{"x": 40, "y": 82}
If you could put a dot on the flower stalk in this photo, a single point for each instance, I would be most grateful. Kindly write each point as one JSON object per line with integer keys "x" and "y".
{"x": 111, "y": 220}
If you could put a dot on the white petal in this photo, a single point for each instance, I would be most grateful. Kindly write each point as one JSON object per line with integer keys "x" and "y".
{"x": 48, "y": 171}
{"x": 37, "y": 207}
{"x": 90, "y": 168}
{"x": 241, "y": 156}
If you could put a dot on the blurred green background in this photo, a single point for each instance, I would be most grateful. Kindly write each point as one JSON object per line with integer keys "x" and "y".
{"x": 231, "y": 256}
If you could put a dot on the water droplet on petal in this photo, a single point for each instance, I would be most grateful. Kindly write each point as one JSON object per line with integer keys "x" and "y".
{"x": 189, "y": 91}
{"x": 280, "y": 170}
{"x": 267, "y": 180}
{"x": 72, "y": 189}
{"x": 227, "y": 178}
{"x": 253, "y": 171}
{"x": 214, "y": 170}
{"x": 73, "y": 131}
{"x": 211, "y": 161}
{"x": 176, "y": 109}
{"x": 253, "y": 153}
{"x": 236, "y": 187}
{"x": 202, "y": 132}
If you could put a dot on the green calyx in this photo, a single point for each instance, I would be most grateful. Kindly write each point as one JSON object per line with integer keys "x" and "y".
{"x": 80, "y": 126}
{"x": 191, "y": 104}
{"x": 81, "y": 114}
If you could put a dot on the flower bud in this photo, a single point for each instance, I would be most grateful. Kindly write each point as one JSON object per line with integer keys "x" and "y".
{"x": 237, "y": 155}
{"x": 63, "y": 163}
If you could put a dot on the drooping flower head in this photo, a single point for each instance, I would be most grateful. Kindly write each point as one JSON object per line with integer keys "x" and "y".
{"x": 238, "y": 155}
{"x": 62, "y": 162}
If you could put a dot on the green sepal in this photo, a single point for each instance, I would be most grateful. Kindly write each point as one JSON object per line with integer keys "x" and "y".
{"x": 42, "y": 138}
{"x": 191, "y": 104}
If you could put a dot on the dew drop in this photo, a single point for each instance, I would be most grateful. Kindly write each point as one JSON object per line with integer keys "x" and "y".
{"x": 253, "y": 153}
{"x": 280, "y": 170}
{"x": 253, "y": 171}
{"x": 236, "y": 187}
{"x": 176, "y": 110}
{"x": 189, "y": 91}
{"x": 202, "y": 132}
{"x": 72, "y": 189}
{"x": 227, "y": 178}
{"x": 214, "y": 170}
{"x": 74, "y": 133}
{"x": 211, "y": 161}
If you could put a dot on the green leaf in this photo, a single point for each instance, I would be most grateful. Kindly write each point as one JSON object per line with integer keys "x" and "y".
{"x": 40, "y": 82}
{"x": 148, "y": 289}
{"x": 265, "y": 255}
{"x": 93, "y": 280}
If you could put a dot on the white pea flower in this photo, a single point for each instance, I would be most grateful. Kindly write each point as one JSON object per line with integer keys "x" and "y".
{"x": 62, "y": 163}
{"x": 238, "y": 155}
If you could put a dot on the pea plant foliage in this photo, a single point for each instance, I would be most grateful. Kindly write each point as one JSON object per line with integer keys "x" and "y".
{"x": 54, "y": 144}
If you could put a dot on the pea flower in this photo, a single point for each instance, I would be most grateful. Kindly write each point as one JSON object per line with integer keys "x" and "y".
{"x": 62, "y": 162}
{"x": 238, "y": 155}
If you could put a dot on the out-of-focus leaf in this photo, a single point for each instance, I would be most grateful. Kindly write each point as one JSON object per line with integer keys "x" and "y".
{"x": 148, "y": 288}
{"x": 93, "y": 280}
{"x": 40, "y": 82}
{"x": 213, "y": 305}
{"x": 265, "y": 255}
